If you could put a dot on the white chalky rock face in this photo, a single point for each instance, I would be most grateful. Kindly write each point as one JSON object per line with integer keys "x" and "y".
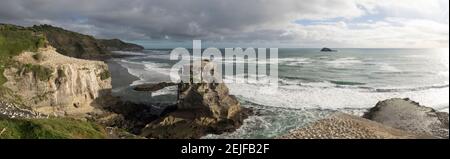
{"x": 74, "y": 87}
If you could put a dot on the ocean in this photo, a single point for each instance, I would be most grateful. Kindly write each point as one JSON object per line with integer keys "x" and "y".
{"x": 312, "y": 84}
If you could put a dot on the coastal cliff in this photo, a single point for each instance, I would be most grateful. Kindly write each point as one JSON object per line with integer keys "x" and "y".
{"x": 50, "y": 69}
{"x": 51, "y": 83}
{"x": 44, "y": 94}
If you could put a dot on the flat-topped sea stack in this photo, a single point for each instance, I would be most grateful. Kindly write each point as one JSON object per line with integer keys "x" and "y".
{"x": 203, "y": 108}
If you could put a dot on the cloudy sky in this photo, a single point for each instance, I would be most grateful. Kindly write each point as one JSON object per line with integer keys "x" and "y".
{"x": 245, "y": 23}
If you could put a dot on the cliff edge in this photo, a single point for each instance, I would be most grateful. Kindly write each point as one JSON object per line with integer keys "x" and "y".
{"x": 52, "y": 83}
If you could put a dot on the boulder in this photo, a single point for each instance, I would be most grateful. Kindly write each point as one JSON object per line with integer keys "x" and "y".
{"x": 151, "y": 87}
{"x": 410, "y": 116}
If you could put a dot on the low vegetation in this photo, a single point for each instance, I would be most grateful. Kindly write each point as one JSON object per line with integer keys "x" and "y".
{"x": 105, "y": 75}
{"x": 13, "y": 41}
{"x": 40, "y": 72}
{"x": 73, "y": 44}
{"x": 38, "y": 56}
{"x": 2, "y": 77}
{"x": 53, "y": 128}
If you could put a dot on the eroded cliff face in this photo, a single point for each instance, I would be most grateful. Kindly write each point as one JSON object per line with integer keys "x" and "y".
{"x": 54, "y": 84}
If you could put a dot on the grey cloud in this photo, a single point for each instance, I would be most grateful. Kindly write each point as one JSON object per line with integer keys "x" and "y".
{"x": 212, "y": 20}
{"x": 175, "y": 18}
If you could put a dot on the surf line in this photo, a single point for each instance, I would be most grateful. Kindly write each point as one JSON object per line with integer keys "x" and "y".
{"x": 193, "y": 149}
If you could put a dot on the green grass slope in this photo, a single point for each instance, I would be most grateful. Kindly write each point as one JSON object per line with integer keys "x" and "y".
{"x": 13, "y": 41}
{"x": 54, "y": 128}
{"x": 73, "y": 44}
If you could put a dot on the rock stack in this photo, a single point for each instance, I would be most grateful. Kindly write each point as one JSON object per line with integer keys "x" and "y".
{"x": 202, "y": 108}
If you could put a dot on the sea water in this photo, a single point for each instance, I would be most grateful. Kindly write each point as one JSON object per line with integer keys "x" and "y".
{"x": 314, "y": 84}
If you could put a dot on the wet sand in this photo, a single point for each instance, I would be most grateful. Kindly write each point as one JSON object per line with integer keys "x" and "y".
{"x": 120, "y": 76}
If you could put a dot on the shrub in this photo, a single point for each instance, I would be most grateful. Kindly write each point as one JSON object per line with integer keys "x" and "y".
{"x": 105, "y": 75}
{"x": 38, "y": 56}
{"x": 2, "y": 78}
{"x": 61, "y": 73}
{"x": 40, "y": 72}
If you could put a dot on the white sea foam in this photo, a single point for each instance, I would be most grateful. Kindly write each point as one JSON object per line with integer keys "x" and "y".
{"x": 271, "y": 122}
{"x": 443, "y": 73}
{"x": 172, "y": 90}
{"x": 296, "y": 96}
{"x": 324, "y": 84}
{"x": 147, "y": 71}
{"x": 129, "y": 53}
{"x": 295, "y": 61}
{"x": 343, "y": 62}
{"x": 388, "y": 68}
{"x": 158, "y": 67}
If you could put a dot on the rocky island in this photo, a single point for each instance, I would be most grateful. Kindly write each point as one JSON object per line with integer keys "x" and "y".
{"x": 202, "y": 108}
{"x": 325, "y": 49}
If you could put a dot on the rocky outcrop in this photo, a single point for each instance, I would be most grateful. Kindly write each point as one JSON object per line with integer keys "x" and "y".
{"x": 389, "y": 119}
{"x": 203, "y": 108}
{"x": 410, "y": 116}
{"x": 153, "y": 87}
{"x": 51, "y": 83}
{"x": 344, "y": 126}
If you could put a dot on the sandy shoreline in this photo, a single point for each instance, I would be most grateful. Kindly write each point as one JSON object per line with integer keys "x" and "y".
{"x": 121, "y": 78}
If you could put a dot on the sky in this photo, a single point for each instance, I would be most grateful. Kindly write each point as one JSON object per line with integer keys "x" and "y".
{"x": 245, "y": 23}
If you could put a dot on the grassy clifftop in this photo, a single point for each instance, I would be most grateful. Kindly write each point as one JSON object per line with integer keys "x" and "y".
{"x": 119, "y": 45}
{"x": 56, "y": 128}
{"x": 83, "y": 46}
{"x": 73, "y": 44}
{"x": 13, "y": 41}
